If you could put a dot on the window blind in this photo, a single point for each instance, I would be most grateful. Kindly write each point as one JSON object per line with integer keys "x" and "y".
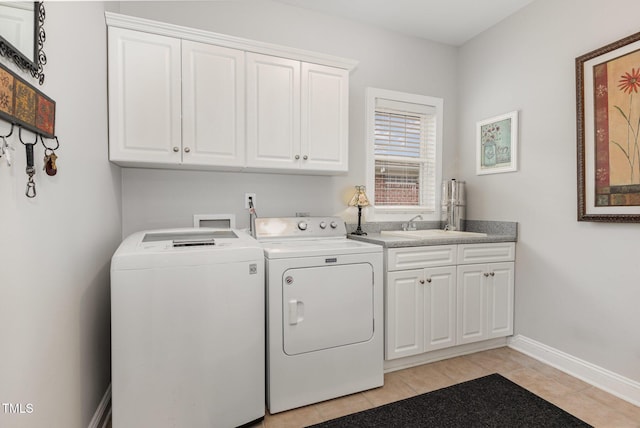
{"x": 405, "y": 154}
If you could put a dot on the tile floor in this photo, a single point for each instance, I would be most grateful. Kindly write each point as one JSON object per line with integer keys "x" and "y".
{"x": 590, "y": 404}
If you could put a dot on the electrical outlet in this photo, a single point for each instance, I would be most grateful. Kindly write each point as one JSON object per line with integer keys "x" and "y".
{"x": 246, "y": 199}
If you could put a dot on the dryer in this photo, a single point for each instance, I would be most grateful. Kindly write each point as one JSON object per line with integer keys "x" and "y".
{"x": 324, "y": 311}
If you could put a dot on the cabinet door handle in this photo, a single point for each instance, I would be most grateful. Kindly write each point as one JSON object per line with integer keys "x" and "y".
{"x": 297, "y": 157}
{"x": 305, "y": 157}
{"x": 492, "y": 274}
{"x": 486, "y": 274}
{"x": 429, "y": 280}
{"x": 422, "y": 281}
{"x": 176, "y": 149}
{"x": 187, "y": 149}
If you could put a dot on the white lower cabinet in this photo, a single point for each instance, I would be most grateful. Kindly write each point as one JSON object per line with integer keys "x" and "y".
{"x": 421, "y": 308}
{"x": 448, "y": 297}
{"x": 485, "y": 301}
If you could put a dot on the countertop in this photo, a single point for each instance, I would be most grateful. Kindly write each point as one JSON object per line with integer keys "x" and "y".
{"x": 496, "y": 232}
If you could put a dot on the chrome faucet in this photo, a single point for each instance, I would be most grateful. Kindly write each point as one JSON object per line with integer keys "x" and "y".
{"x": 411, "y": 225}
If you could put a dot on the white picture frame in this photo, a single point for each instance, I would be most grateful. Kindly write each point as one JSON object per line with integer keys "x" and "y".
{"x": 497, "y": 144}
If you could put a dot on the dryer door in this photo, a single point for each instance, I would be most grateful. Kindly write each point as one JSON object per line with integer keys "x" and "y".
{"x": 326, "y": 307}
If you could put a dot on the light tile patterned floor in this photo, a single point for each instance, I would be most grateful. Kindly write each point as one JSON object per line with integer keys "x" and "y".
{"x": 590, "y": 404}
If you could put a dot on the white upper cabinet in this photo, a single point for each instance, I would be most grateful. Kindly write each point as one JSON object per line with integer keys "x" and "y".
{"x": 273, "y": 112}
{"x": 186, "y": 98}
{"x": 325, "y": 118}
{"x": 144, "y": 97}
{"x": 212, "y": 105}
{"x": 297, "y": 115}
{"x": 174, "y": 102}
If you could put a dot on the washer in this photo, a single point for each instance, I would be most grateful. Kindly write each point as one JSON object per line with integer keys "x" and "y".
{"x": 187, "y": 329}
{"x": 324, "y": 311}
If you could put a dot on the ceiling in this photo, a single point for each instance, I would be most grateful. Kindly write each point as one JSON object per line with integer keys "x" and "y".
{"x": 446, "y": 21}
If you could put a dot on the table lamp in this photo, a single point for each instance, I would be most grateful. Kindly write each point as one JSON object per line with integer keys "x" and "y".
{"x": 359, "y": 200}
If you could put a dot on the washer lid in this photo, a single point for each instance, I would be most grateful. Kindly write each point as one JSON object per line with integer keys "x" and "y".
{"x": 184, "y": 247}
{"x": 289, "y": 248}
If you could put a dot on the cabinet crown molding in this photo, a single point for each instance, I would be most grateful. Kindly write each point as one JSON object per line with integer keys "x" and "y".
{"x": 194, "y": 34}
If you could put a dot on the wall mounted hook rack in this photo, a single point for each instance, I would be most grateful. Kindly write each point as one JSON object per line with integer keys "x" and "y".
{"x": 22, "y": 105}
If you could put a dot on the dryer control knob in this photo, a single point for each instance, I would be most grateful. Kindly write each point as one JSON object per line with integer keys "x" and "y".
{"x": 302, "y": 225}
{"x": 334, "y": 225}
{"x": 323, "y": 225}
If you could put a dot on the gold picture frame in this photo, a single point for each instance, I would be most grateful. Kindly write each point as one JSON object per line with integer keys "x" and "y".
{"x": 608, "y": 131}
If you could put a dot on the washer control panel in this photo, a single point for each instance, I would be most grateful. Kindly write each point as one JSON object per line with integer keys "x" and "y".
{"x": 300, "y": 227}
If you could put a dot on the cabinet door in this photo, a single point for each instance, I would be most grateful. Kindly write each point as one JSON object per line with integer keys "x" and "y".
{"x": 500, "y": 299}
{"x": 404, "y": 314}
{"x": 325, "y": 116}
{"x": 440, "y": 308}
{"x": 472, "y": 303}
{"x": 144, "y": 97}
{"x": 212, "y": 105}
{"x": 273, "y": 112}
{"x": 485, "y": 301}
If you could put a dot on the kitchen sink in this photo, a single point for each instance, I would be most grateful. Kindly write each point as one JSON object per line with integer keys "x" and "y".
{"x": 432, "y": 234}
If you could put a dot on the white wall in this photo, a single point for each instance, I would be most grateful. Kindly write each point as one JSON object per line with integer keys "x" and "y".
{"x": 153, "y": 198}
{"x": 577, "y": 284}
{"x": 55, "y": 249}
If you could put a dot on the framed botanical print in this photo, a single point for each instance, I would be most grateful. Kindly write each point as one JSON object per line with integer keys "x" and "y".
{"x": 608, "y": 129}
{"x": 497, "y": 144}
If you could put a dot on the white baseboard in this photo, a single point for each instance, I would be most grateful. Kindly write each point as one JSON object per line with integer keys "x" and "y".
{"x": 613, "y": 383}
{"x": 103, "y": 411}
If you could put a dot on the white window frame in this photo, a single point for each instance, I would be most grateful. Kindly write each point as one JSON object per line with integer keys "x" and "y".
{"x": 389, "y": 213}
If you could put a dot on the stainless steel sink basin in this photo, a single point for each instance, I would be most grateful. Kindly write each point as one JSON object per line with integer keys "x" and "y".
{"x": 432, "y": 234}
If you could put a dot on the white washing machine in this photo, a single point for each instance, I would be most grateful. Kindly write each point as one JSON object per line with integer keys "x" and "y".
{"x": 324, "y": 311}
{"x": 187, "y": 328}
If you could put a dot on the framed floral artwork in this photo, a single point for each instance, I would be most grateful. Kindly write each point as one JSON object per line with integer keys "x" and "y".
{"x": 497, "y": 144}
{"x": 608, "y": 129}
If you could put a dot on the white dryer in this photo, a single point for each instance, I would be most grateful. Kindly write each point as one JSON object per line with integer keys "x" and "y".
{"x": 187, "y": 328}
{"x": 325, "y": 309}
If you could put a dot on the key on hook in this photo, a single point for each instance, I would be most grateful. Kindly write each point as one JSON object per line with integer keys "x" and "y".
{"x": 50, "y": 162}
{"x": 31, "y": 171}
{"x": 5, "y": 150}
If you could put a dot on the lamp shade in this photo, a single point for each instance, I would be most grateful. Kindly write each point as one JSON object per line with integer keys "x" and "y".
{"x": 359, "y": 199}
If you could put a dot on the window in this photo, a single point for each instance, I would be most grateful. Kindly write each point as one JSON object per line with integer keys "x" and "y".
{"x": 404, "y": 152}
